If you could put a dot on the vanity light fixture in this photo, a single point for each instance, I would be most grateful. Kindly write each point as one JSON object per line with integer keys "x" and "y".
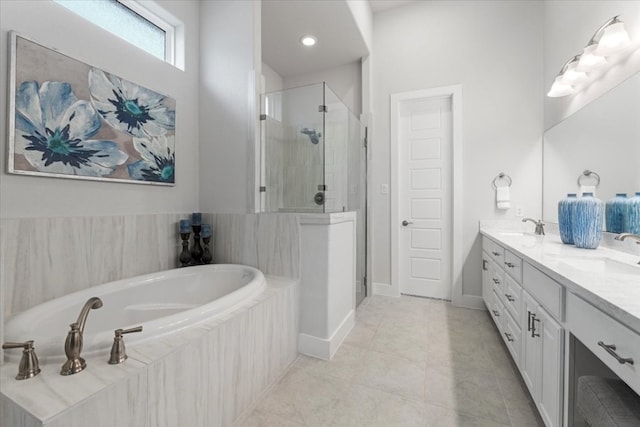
{"x": 308, "y": 40}
{"x": 609, "y": 39}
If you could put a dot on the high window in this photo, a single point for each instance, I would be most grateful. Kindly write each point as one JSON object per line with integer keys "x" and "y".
{"x": 131, "y": 21}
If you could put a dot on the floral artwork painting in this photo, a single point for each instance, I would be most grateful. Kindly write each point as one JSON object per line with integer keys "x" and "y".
{"x": 71, "y": 120}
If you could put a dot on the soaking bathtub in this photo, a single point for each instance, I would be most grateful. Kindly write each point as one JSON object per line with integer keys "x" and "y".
{"x": 162, "y": 303}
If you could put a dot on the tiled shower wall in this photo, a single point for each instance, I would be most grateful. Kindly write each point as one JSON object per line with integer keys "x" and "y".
{"x": 46, "y": 258}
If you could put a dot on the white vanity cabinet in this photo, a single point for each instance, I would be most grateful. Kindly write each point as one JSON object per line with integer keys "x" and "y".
{"x": 541, "y": 362}
{"x": 502, "y": 294}
{"x": 526, "y": 306}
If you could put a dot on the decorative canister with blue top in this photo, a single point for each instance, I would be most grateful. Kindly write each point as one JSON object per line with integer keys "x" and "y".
{"x": 615, "y": 212}
{"x": 632, "y": 214}
{"x": 588, "y": 213}
{"x": 565, "y": 218}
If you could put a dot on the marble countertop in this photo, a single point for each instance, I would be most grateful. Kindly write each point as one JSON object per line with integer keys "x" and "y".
{"x": 607, "y": 278}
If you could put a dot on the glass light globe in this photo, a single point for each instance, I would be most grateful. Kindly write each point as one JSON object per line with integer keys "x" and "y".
{"x": 560, "y": 88}
{"x": 589, "y": 60}
{"x": 614, "y": 39}
{"x": 572, "y": 76}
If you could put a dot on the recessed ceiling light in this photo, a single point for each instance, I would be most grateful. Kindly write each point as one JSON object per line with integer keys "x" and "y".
{"x": 308, "y": 40}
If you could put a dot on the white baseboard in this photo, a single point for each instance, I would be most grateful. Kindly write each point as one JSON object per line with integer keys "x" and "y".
{"x": 323, "y": 348}
{"x": 473, "y": 301}
{"x": 384, "y": 289}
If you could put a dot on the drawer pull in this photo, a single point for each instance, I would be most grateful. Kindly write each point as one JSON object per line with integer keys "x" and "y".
{"x": 509, "y": 264}
{"x": 496, "y": 281}
{"x": 484, "y": 265}
{"x": 533, "y": 326}
{"x": 529, "y": 321}
{"x": 509, "y": 337}
{"x": 611, "y": 349}
{"x": 495, "y": 313}
{"x": 510, "y": 298}
{"x": 495, "y": 253}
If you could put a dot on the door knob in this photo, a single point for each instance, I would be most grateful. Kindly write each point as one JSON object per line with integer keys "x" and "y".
{"x": 405, "y": 223}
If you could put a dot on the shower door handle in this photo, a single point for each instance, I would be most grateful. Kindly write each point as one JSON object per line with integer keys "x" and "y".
{"x": 405, "y": 223}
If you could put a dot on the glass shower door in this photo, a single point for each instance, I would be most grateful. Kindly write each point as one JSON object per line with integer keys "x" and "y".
{"x": 294, "y": 146}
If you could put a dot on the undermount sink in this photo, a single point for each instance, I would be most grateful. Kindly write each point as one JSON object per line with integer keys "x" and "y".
{"x": 606, "y": 266}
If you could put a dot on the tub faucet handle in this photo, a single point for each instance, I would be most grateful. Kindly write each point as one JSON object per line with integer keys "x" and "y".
{"x": 118, "y": 352}
{"x": 29, "y": 366}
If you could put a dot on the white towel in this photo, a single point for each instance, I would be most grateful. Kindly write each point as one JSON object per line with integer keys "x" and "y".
{"x": 587, "y": 189}
{"x": 502, "y": 198}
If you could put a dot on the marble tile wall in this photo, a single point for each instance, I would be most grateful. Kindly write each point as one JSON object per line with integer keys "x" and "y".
{"x": 268, "y": 241}
{"x": 206, "y": 375}
{"x": 45, "y": 258}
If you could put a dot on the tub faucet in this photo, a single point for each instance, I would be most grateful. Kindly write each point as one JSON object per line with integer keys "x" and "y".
{"x": 73, "y": 344}
{"x": 539, "y": 225}
{"x": 623, "y": 236}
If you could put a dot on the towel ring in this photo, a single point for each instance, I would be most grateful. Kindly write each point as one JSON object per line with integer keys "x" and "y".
{"x": 501, "y": 176}
{"x": 587, "y": 174}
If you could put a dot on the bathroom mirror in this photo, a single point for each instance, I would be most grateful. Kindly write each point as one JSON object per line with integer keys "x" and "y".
{"x": 603, "y": 137}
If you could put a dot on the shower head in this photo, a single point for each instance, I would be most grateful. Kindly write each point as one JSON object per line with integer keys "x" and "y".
{"x": 314, "y": 136}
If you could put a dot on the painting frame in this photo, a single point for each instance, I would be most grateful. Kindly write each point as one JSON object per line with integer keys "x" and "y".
{"x": 92, "y": 126}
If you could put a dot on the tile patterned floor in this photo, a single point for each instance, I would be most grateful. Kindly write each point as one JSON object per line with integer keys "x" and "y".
{"x": 407, "y": 362}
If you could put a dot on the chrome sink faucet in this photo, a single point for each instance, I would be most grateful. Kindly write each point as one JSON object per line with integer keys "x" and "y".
{"x": 539, "y": 225}
{"x": 73, "y": 344}
{"x": 623, "y": 236}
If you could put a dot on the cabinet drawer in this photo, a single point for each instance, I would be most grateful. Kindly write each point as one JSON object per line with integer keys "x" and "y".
{"x": 497, "y": 278}
{"x": 496, "y": 252}
{"x": 544, "y": 289}
{"x": 591, "y": 326}
{"x": 497, "y": 311}
{"x": 512, "y": 336}
{"x": 512, "y": 298}
{"x": 513, "y": 265}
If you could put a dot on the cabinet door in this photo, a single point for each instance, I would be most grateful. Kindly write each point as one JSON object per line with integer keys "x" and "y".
{"x": 551, "y": 340}
{"x": 530, "y": 357}
{"x": 487, "y": 284}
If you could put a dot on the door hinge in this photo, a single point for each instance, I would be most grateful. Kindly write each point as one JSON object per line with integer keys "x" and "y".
{"x": 263, "y": 117}
{"x": 322, "y": 187}
{"x": 366, "y": 137}
{"x": 364, "y": 280}
{"x": 322, "y": 109}
{"x": 263, "y": 189}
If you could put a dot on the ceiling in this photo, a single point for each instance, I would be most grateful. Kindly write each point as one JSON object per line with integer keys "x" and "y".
{"x": 331, "y": 22}
{"x": 380, "y": 5}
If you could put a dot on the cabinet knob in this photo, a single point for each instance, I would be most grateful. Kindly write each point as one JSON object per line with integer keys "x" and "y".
{"x": 495, "y": 253}
{"x": 495, "y": 313}
{"x": 509, "y": 337}
{"x": 509, "y": 264}
{"x": 496, "y": 281}
{"x": 509, "y": 297}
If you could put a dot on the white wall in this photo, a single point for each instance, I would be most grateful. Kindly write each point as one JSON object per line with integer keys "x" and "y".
{"x": 494, "y": 50}
{"x": 272, "y": 80}
{"x": 568, "y": 26}
{"x": 344, "y": 80}
{"x": 57, "y": 27}
{"x": 229, "y": 53}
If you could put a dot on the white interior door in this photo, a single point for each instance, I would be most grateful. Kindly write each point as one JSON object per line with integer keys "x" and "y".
{"x": 425, "y": 196}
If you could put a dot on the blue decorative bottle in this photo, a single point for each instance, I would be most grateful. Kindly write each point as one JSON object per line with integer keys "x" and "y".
{"x": 632, "y": 214}
{"x": 565, "y": 218}
{"x": 588, "y": 213}
{"x": 615, "y": 213}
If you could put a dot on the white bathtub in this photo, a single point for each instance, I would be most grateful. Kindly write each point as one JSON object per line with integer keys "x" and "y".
{"x": 162, "y": 303}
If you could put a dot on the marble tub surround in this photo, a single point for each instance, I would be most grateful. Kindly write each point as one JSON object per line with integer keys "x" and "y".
{"x": 204, "y": 375}
{"x": 267, "y": 241}
{"x": 45, "y": 258}
{"x": 608, "y": 279}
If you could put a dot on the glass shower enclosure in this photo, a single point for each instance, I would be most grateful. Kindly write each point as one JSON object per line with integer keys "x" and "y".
{"x": 314, "y": 160}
